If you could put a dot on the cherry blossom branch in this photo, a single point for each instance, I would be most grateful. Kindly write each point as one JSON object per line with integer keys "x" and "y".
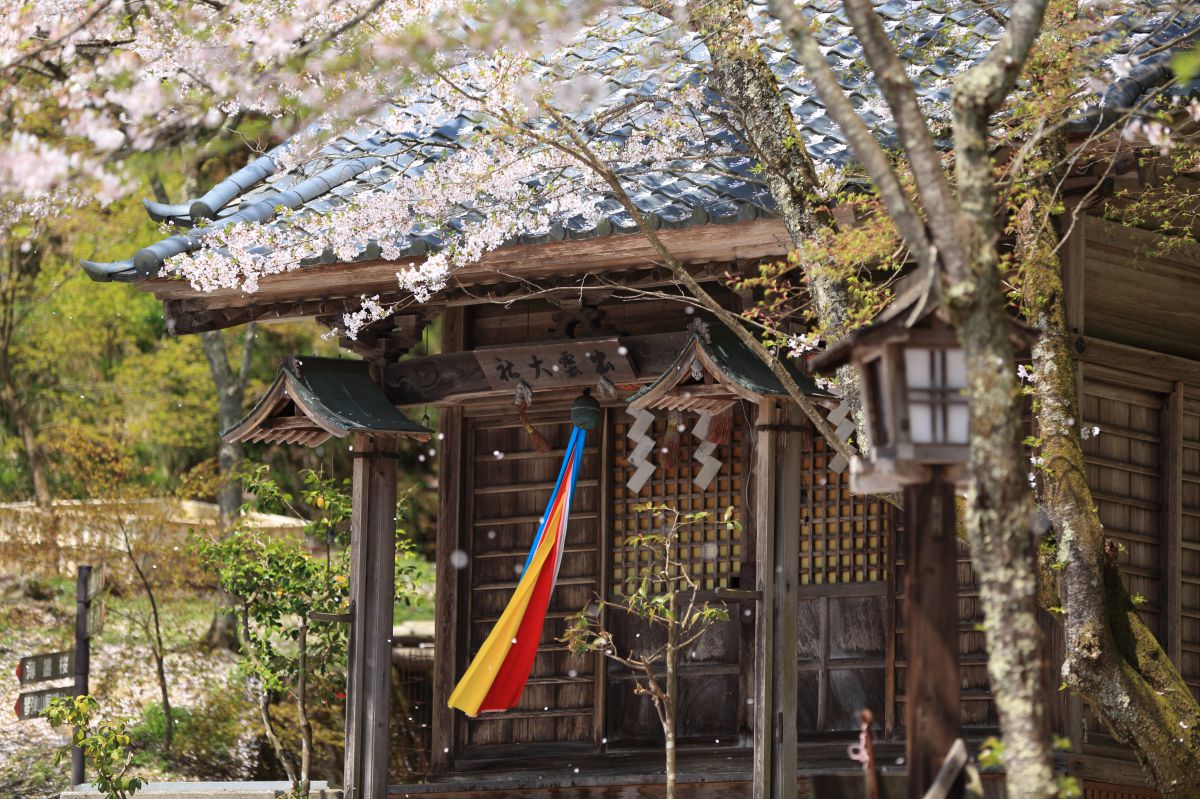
{"x": 729, "y": 319}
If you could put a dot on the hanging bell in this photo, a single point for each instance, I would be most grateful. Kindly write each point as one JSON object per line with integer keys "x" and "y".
{"x": 585, "y": 411}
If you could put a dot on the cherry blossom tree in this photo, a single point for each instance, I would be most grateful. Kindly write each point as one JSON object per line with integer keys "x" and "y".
{"x": 548, "y": 140}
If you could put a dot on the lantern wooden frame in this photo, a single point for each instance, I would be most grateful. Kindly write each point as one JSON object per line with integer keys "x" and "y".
{"x": 904, "y": 453}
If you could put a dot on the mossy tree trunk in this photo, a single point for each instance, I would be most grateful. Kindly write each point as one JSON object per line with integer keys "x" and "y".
{"x": 1113, "y": 660}
{"x": 762, "y": 117}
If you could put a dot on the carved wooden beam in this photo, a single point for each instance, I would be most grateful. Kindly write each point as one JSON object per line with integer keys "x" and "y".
{"x": 452, "y": 377}
{"x": 197, "y": 314}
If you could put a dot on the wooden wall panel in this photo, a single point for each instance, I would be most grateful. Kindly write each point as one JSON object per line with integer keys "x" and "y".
{"x": 1189, "y": 593}
{"x": 1138, "y": 293}
{"x": 1105, "y": 790}
{"x": 1123, "y": 472}
{"x": 535, "y": 320}
{"x": 1124, "y": 426}
{"x": 511, "y": 484}
{"x": 978, "y": 709}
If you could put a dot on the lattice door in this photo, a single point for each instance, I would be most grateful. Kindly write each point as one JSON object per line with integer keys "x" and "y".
{"x": 842, "y": 621}
{"x": 713, "y": 685}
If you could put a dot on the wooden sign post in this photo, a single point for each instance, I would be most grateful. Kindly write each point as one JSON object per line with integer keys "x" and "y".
{"x": 89, "y": 621}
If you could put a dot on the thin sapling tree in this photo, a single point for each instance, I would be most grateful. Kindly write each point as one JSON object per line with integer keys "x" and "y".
{"x": 663, "y": 594}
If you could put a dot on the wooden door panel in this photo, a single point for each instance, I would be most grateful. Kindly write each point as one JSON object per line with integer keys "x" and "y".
{"x": 712, "y": 676}
{"x": 851, "y": 690}
{"x": 842, "y": 658}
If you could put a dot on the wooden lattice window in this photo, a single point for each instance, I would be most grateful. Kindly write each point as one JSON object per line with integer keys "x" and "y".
{"x": 714, "y": 553}
{"x": 844, "y": 537}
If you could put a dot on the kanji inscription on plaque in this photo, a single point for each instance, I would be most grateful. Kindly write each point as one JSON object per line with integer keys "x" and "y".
{"x": 547, "y": 364}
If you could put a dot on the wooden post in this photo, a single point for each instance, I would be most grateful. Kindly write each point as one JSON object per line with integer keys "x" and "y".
{"x": 83, "y": 652}
{"x": 932, "y": 710}
{"x": 764, "y": 622}
{"x": 788, "y": 500}
{"x": 453, "y": 457}
{"x": 779, "y": 453}
{"x": 372, "y": 594}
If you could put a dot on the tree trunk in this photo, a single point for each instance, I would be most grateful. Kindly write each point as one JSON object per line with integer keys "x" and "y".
{"x": 264, "y": 708}
{"x": 997, "y": 513}
{"x": 158, "y": 647}
{"x": 999, "y": 507}
{"x": 18, "y": 415}
{"x": 741, "y": 75}
{"x": 231, "y": 390}
{"x": 1112, "y": 659}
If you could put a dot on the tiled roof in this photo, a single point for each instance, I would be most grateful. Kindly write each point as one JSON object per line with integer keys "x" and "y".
{"x": 942, "y": 37}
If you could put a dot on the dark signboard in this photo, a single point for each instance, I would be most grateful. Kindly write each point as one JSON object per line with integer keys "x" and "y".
{"x": 43, "y": 668}
{"x": 96, "y": 584}
{"x": 551, "y": 364}
{"x": 34, "y": 703}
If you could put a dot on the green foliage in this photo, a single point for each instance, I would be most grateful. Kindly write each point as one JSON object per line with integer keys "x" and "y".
{"x": 105, "y": 744}
{"x": 1069, "y": 787}
{"x": 991, "y": 752}
{"x": 205, "y": 740}
{"x": 279, "y": 582}
{"x": 1187, "y": 63}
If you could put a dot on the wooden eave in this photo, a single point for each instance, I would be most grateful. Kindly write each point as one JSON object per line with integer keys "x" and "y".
{"x": 298, "y": 410}
{"x": 316, "y": 290}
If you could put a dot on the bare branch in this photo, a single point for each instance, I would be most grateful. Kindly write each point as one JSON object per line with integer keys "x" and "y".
{"x": 892, "y": 79}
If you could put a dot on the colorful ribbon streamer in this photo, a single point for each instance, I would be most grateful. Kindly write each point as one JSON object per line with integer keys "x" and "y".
{"x": 497, "y": 676}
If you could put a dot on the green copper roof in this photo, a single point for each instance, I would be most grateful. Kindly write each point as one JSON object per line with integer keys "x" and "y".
{"x": 735, "y": 365}
{"x": 315, "y": 398}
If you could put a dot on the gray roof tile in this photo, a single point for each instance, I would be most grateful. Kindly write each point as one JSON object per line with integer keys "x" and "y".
{"x": 700, "y": 188}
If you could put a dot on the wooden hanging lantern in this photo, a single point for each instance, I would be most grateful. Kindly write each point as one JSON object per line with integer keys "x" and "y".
{"x": 913, "y": 376}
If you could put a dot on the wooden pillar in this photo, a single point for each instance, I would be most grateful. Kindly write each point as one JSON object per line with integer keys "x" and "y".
{"x": 453, "y": 453}
{"x": 932, "y": 709}
{"x": 764, "y": 622}
{"x": 372, "y": 594}
{"x": 778, "y": 464}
